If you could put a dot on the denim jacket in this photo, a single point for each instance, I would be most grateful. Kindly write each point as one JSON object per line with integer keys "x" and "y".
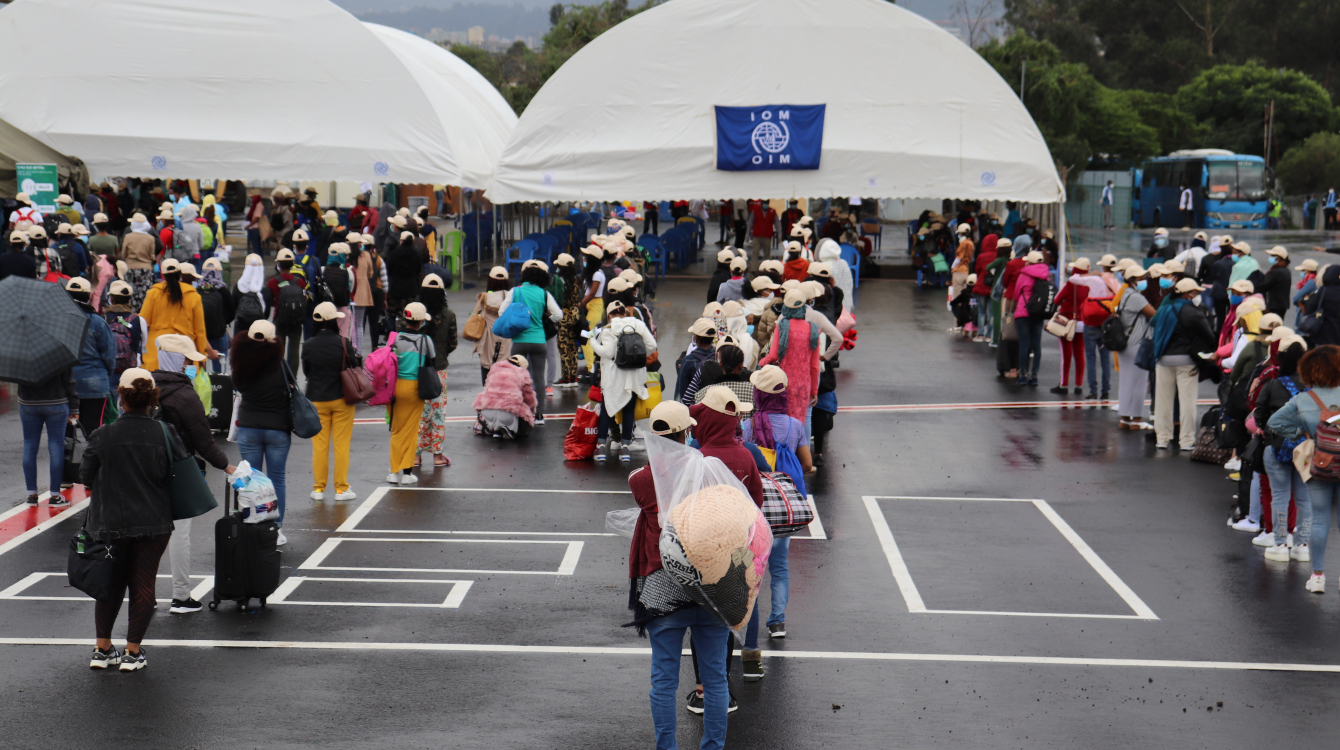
{"x": 1299, "y": 417}
{"x": 97, "y": 364}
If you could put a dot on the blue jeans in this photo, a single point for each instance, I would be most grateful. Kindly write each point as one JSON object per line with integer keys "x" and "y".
{"x": 266, "y": 451}
{"x": 33, "y": 419}
{"x": 1284, "y": 476}
{"x": 1093, "y": 351}
{"x": 1325, "y": 496}
{"x": 1030, "y": 342}
{"x": 254, "y": 242}
{"x": 983, "y": 315}
{"x": 220, "y": 345}
{"x": 710, "y": 637}
{"x": 780, "y": 586}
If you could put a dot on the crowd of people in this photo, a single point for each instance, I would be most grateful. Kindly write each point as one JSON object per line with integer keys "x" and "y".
{"x": 758, "y": 375}
{"x": 1179, "y": 316}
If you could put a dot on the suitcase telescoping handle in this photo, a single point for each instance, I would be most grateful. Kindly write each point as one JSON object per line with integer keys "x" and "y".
{"x": 227, "y": 494}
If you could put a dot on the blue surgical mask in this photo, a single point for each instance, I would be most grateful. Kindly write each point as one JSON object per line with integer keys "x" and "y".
{"x": 1140, "y": 286}
{"x": 1160, "y": 241}
{"x": 1165, "y": 283}
{"x": 1121, "y": 277}
{"x": 191, "y": 371}
{"x": 1235, "y": 299}
{"x": 749, "y": 328}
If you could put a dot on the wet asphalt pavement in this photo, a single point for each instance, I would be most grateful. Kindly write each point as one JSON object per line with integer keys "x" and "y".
{"x": 1137, "y": 650}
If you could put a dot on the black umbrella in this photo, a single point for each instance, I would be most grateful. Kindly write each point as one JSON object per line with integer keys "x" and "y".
{"x": 41, "y": 330}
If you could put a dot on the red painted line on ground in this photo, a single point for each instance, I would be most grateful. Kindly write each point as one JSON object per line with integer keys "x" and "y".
{"x": 981, "y": 405}
{"x": 23, "y": 518}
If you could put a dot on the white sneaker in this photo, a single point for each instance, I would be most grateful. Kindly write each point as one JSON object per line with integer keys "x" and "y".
{"x": 393, "y": 478}
{"x": 1247, "y": 525}
{"x": 1278, "y": 553}
{"x": 1265, "y": 539}
{"x": 318, "y": 495}
{"x": 282, "y": 539}
{"x": 1233, "y": 464}
{"x": 408, "y": 479}
{"x": 349, "y": 495}
{"x": 1161, "y": 446}
{"x": 1300, "y": 553}
{"x": 1316, "y": 584}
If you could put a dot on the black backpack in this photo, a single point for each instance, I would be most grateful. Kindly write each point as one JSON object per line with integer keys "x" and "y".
{"x": 1040, "y": 299}
{"x": 250, "y": 309}
{"x": 336, "y": 282}
{"x": 1115, "y": 336}
{"x": 631, "y": 353}
{"x": 291, "y": 305}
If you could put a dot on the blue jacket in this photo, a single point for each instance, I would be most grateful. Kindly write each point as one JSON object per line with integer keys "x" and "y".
{"x": 1298, "y": 418}
{"x": 93, "y": 375}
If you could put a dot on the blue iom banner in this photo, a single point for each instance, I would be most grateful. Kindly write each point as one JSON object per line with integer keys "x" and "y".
{"x": 776, "y": 136}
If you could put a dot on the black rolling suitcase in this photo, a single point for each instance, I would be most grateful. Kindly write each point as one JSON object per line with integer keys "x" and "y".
{"x": 246, "y": 557}
{"x": 220, "y": 414}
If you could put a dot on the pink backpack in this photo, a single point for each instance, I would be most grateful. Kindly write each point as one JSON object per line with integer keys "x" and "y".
{"x": 382, "y": 365}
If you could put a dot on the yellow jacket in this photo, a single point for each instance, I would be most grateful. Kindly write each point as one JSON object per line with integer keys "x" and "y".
{"x": 164, "y": 316}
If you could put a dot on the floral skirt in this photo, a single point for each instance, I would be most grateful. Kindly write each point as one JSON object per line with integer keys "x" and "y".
{"x": 140, "y": 280}
{"x": 433, "y": 426}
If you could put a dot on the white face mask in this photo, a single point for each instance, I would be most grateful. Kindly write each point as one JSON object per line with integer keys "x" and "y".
{"x": 1196, "y": 300}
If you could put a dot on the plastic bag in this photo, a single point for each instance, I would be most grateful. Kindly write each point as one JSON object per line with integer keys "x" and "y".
{"x": 714, "y": 541}
{"x": 580, "y": 442}
{"x": 255, "y": 494}
{"x": 621, "y": 522}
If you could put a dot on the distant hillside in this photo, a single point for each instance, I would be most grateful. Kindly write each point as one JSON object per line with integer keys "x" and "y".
{"x": 510, "y": 21}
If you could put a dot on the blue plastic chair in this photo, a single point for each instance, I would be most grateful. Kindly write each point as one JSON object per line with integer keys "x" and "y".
{"x": 676, "y": 246}
{"x": 853, "y": 259}
{"x": 544, "y": 244}
{"x": 655, "y": 252}
{"x": 520, "y": 253}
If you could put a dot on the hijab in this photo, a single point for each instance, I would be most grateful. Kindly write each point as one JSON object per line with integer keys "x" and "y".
{"x": 764, "y": 405}
{"x": 212, "y": 279}
{"x": 253, "y": 279}
{"x": 143, "y": 227}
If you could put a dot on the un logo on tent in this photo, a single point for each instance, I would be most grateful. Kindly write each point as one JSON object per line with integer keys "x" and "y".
{"x": 988, "y": 179}
{"x": 770, "y": 136}
{"x": 158, "y": 163}
{"x": 381, "y": 168}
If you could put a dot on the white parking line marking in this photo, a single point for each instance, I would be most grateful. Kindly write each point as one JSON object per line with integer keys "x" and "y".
{"x": 641, "y": 652}
{"x": 915, "y": 604}
{"x": 566, "y": 568}
{"x": 453, "y": 600}
{"x": 363, "y": 509}
{"x": 13, "y": 593}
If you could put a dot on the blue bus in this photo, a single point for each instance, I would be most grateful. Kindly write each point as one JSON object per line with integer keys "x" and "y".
{"x": 1230, "y": 190}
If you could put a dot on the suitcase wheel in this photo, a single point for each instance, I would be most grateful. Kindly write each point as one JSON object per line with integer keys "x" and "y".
{"x": 242, "y": 604}
{"x": 214, "y": 605}
{"x": 262, "y": 601}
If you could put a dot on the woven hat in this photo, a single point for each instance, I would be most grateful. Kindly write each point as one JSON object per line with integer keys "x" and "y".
{"x": 721, "y": 399}
{"x": 769, "y": 379}
{"x": 670, "y": 416}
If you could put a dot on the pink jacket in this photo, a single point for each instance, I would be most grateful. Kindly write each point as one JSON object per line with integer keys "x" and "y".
{"x": 105, "y": 273}
{"x": 1024, "y": 287}
{"x": 508, "y": 388}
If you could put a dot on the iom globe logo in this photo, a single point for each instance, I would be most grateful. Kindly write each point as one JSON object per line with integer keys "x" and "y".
{"x": 770, "y": 136}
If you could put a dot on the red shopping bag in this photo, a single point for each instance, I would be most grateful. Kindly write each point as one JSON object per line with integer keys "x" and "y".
{"x": 580, "y": 443}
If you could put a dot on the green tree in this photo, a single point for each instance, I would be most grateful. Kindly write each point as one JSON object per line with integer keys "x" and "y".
{"x": 1312, "y": 166}
{"x": 519, "y": 72}
{"x": 1078, "y": 117}
{"x": 1230, "y": 101}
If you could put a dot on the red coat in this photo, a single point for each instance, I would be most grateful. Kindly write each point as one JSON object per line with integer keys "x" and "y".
{"x": 715, "y": 433}
{"x": 644, "y": 555}
{"x": 1070, "y": 299}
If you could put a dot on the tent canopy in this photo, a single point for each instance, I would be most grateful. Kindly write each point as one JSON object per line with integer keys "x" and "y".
{"x": 17, "y": 147}
{"x": 248, "y": 89}
{"x": 911, "y": 112}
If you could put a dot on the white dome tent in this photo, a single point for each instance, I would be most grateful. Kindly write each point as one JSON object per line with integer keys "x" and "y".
{"x": 248, "y": 90}
{"x": 911, "y": 112}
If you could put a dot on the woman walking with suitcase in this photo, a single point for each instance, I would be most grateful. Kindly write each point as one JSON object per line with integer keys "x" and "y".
{"x": 126, "y": 468}
{"x": 263, "y": 420}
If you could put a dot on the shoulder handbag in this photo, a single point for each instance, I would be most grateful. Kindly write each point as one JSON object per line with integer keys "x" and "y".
{"x": 475, "y": 325}
{"x": 190, "y": 493}
{"x": 785, "y": 507}
{"x": 354, "y": 380}
{"x": 430, "y": 386}
{"x": 303, "y": 419}
{"x": 93, "y": 566}
{"x": 1060, "y": 325}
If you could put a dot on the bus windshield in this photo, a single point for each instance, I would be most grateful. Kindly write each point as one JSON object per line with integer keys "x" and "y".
{"x": 1241, "y": 181}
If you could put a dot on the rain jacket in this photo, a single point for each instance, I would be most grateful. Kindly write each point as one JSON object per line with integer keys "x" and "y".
{"x": 619, "y": 385}
{"x": 187, "y": 241}
{"x": 731, "y": 289}
{"x": 125, "y": 468}
{"x": 1024, "y": 287}
{"x": 162, "y": 316}
{"x": 181, "y": 407}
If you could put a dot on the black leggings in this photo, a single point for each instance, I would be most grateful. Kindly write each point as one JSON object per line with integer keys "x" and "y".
{"x": 141, "y": 555}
